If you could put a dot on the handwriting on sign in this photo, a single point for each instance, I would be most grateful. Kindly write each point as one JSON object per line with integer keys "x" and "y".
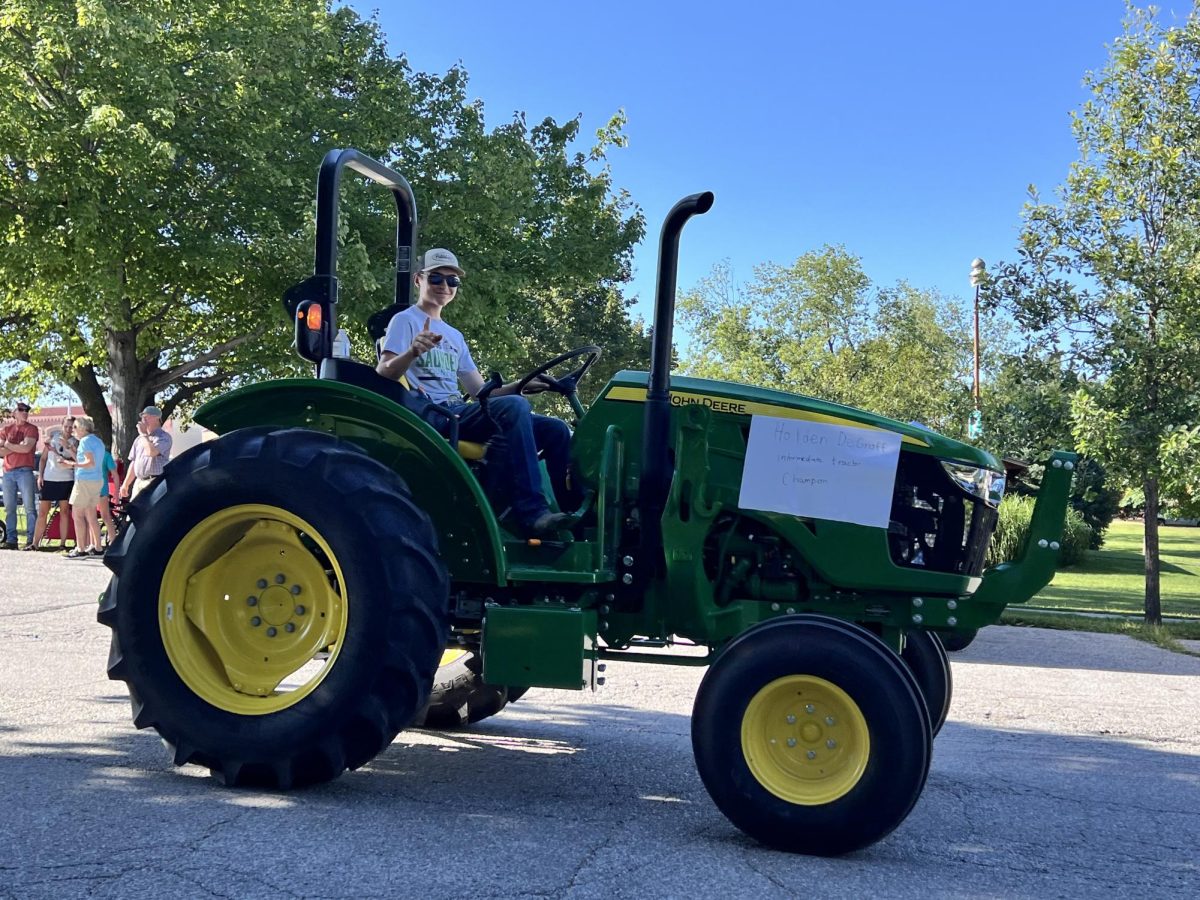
{"x": 820, "y": 470}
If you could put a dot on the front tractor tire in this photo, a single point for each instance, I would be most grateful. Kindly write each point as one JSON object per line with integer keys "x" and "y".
{"x": 278, "y": 607}
{"x": 927, "y": 660}
{"x": 811, "y": 735}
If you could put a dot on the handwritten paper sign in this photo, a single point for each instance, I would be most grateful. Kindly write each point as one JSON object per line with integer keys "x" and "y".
{"x": 836, "y": 472}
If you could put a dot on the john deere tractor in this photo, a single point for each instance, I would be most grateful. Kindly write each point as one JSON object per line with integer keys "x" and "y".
{"x": 330, "y": 570}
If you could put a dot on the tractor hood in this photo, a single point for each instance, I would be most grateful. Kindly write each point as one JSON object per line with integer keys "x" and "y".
{"x": 740, "y": 400}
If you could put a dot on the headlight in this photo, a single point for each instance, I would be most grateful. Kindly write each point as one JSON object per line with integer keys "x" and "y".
{"x": 985, "y": 484}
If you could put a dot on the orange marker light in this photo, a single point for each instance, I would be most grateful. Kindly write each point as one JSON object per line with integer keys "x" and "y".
{"x": 313, "y": 321}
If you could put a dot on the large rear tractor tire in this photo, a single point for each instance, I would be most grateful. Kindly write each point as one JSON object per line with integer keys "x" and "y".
{"x": 811, "y": 735}
{"x": 460, "y": 696}
{"x": 278, "y": 607}
{"x": 927, "y": 660}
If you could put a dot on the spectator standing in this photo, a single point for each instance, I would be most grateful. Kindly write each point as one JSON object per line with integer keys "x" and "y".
{"x": 85, "y": 495}
{"x": 18, "y": 441}
{"x": 55, "y": 479}
{"x": 109, "y": 466}
{"x": 151, "y": 451}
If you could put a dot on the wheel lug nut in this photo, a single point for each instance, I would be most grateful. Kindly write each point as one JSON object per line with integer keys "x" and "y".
{"x": 791, "y": 742}
{"x": 831, "y": 743}
{"x": 810, "y": 709}
{"x": 256, "y": 621}
{"x": 829, "y": 720}
{"x": 280, "y": 578}
{"x": 295, "y": 590}
{"x": 791, "y": 720}
{"x": 252, "y": 601}
{"x": 299, "y": 610}
{"x": 289, "y": 627}
{"x": 271, "y": 632}
{"x": 262, "y": 583}
{"x": 811, "y": 754}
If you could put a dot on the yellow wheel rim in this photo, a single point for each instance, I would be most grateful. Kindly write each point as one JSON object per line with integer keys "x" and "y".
{"x": 249, "y": 597}
{"x": 805, "y": 740}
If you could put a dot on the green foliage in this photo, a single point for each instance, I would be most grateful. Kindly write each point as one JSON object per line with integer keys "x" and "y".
{"x": 156, "y": 182}
{"x": 1028, "y": 405}
{"x": 1092, "y": 495}
{"x": 820, "y": 327}
{"x": 1012, "y": 530}
{"x": 1077, "y": 538}
{"x": 1096, "y": 501}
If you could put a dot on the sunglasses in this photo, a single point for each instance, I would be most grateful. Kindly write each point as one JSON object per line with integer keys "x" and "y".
{"x": 437, "y": 278}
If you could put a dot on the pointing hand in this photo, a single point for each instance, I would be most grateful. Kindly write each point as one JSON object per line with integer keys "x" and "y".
{"x": 424, "y": 340}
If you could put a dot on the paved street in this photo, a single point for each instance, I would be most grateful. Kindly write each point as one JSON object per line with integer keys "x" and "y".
{"x": 1070, "y": 767}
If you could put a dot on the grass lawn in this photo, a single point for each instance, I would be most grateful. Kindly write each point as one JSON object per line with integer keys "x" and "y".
{"x": 1113, "y": 579}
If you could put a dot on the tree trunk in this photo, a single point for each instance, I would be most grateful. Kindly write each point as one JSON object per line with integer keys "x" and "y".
{"x": 129, "y": 391}
{"x": 87, "y": 387}
{"x": 1153, "y": 598}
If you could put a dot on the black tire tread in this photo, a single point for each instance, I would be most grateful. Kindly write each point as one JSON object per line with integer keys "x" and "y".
{"x": 363, "y": 725}
{"x": 844, "y": 653}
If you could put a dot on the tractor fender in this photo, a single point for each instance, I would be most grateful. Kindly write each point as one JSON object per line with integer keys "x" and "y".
{"x": 440, "y": 482}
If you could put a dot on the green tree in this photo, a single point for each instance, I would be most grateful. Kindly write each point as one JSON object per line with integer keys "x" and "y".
{"x": 157, "y": 162}
{"x": 1108, "y": 272}
{"x": 1029, "y": 414}
{"x": 820, "y": 327}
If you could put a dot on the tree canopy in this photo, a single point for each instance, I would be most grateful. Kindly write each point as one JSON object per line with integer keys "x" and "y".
{"x": 821, "y": 327}
{"x": 157, "y": 164}
{"x": 1108, "y": 272}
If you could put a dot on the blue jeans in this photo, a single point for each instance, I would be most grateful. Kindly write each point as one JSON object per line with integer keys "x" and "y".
{"x": 19, "y": 479}
{"x": 516, "y": 434}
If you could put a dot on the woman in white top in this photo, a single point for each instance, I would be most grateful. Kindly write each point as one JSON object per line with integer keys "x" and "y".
{"x": 55, "y": 479}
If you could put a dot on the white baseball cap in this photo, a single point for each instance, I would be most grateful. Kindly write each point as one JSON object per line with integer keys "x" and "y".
{"x": 440, "y": 258}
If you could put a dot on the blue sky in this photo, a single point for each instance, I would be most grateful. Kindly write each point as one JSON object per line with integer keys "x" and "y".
{"x": 907, "y": 131}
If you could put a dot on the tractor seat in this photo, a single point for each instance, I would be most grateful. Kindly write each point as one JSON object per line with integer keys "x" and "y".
{"x": 347, "y": 371}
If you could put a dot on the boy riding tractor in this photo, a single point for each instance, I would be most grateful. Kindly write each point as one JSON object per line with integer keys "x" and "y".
{"x": 283, "y": 596}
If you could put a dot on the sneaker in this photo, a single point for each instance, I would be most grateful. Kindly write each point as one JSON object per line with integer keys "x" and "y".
{"x": 97, "y": 551}
{"x": 28, "y": 547}
{"x": 78, "y": 554}
{"x": 8, "y": 546}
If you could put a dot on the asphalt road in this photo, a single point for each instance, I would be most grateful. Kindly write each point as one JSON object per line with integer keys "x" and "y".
{"x": 1070, "y": 767}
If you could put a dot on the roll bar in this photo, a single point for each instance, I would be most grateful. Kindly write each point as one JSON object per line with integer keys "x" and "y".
{"x": 316, "y": 328}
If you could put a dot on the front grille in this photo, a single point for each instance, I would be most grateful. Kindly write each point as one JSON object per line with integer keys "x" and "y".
{"x": 936, "y": 525}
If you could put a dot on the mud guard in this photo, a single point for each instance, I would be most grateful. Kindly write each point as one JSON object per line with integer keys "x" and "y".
{"x": 439, "y": 479}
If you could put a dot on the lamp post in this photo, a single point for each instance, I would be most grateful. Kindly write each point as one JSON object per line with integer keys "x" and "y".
{"x": 975, "y": 426}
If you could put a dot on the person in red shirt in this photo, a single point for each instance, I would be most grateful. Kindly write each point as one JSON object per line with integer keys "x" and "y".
{"x": 17, "y": 442}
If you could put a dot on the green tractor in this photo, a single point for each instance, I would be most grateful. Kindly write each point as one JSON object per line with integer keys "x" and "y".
{"x": 288, "y": 597}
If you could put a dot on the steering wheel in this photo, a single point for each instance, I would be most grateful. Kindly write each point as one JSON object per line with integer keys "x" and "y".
{"x": 565, "y": 384}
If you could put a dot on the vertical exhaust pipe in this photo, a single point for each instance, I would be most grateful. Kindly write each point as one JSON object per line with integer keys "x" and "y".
{"x": 657, "y": 468}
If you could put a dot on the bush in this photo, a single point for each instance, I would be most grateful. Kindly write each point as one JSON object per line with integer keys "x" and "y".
{"x": 1012, "y": 528}
{"x": 1077, "y": 538}
{"x": 1095, "y": 500}
{"x": 1091, "y": 496}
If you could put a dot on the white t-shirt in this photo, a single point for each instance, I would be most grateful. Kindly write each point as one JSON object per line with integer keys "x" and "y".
{"x": 436, "y": 371}
{"x": 56, "y": 448}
